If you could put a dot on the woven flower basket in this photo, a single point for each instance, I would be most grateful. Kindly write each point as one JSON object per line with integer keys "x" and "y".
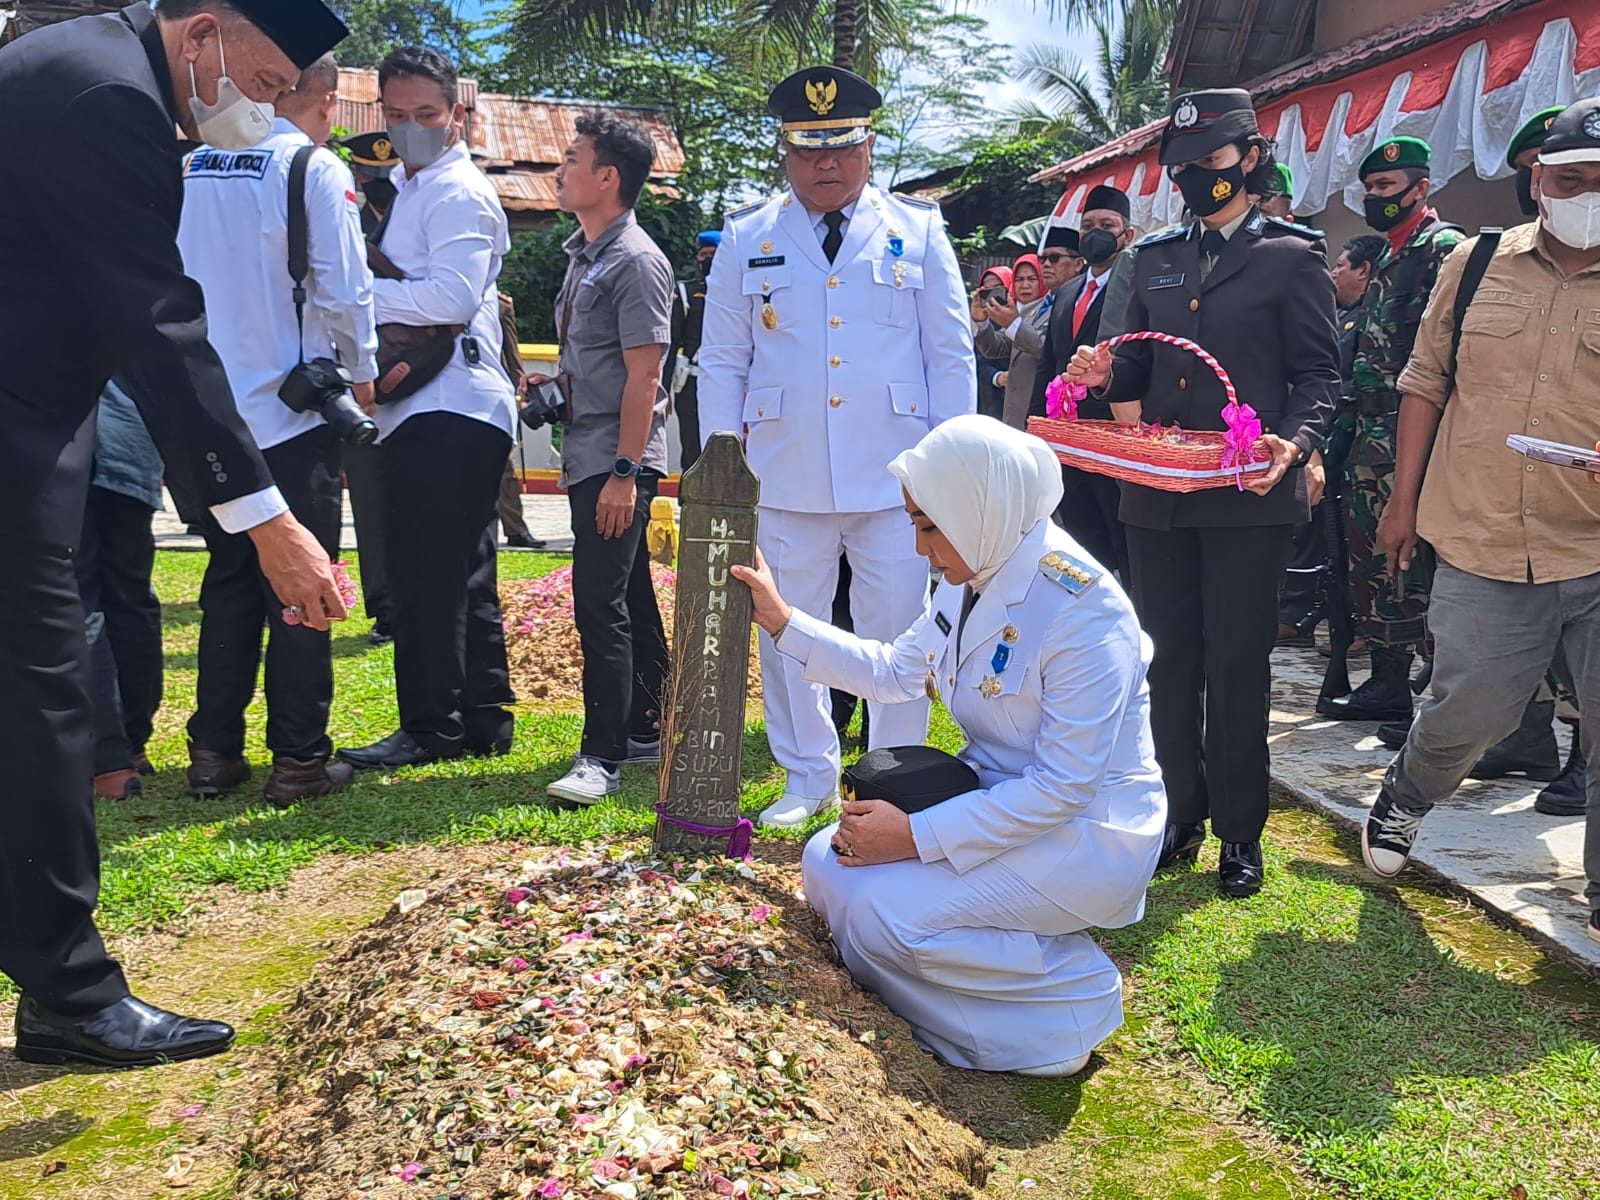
{"x": 1168, "y": 459}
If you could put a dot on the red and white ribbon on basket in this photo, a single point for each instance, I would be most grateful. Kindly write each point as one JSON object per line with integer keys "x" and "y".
{"x": 1243, "y": 425}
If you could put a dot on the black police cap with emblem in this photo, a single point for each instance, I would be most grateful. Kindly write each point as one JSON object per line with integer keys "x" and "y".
{"x": 371, "y": 151}
{"x": 823, "y": 107}
{"x": 305, "y": 30}
{"x": 1574, "y": 136}
{"x": 911, "y": 778}
{"x": 1203, "y": 122}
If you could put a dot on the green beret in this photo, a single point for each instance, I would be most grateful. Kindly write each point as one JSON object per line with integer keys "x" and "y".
{"x": 1397, "y": 154}
{"x": 1285, "y": 179}
{"x": 1532, "y": 134}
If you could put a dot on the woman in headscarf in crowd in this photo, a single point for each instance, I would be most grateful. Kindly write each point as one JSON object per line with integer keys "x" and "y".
{"x": 970, "y": 918}
{"x": 991, "y": 389}
{"x": 1013, "y": 331}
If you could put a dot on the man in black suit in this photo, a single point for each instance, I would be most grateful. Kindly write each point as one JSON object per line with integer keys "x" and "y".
{"x": 90, "y": 283}
{"x": 1088, "y": 509}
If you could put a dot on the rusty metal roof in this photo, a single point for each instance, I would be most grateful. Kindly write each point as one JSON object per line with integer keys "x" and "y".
{"x": 518, "y": 140}
{"x": 1217, "y": 43}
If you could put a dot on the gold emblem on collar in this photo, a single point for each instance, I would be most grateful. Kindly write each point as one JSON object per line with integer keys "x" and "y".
{"x": 1011, "y": 634}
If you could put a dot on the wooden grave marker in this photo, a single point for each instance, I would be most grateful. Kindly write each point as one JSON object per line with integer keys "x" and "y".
{"x": 702, "y": 751}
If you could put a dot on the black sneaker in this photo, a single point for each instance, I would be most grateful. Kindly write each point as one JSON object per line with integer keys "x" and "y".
{"x": 1594, "y": 926}
{"x": 643, "y": 752}
{"x": 1388, "y": 835}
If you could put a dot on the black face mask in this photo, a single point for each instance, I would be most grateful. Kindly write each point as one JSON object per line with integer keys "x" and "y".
{"x": 1525, "y": 200}
{"x": 1099, "y": 246}
{"x": 379, "y": 193}
{"x": 705, "y": 267}
{"x": 1208, "y": 192}
{"x": 1385, "y": 212}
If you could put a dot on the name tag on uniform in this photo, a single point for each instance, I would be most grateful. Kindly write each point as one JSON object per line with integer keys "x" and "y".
{"x": 774, "y": 260}
{"x": 251, "y": 164}
{"x": 943, "y": 622}
{"x": 1164, "y": 281}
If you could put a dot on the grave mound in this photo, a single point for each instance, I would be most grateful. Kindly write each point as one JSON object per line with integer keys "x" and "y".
{"x": 589, "y": 1023}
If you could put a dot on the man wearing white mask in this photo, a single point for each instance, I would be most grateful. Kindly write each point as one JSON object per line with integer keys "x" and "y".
{"x": 1518, "y": 540}
{"x": 90, "y": 283}
{"x": 246, "y": 215}
{"x": 444, "y": 443}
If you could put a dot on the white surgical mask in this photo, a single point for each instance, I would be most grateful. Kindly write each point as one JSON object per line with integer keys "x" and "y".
{"x": 1574, "y": 221}
{"x": 418, "y": 145}
{"x": 234, "y": 122}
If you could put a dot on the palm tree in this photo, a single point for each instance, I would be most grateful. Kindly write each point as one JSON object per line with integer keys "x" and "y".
{"x": 792, "y": 31}
{"x": 1125, "y": 90}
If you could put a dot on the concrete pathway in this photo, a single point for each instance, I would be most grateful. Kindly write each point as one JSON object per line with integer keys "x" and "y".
{"x": 1488, "y": 840}
{"x": 547, "y": 518}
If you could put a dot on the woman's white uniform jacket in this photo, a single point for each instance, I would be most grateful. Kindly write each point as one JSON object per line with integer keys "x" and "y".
{"x": 1047, "y": 679}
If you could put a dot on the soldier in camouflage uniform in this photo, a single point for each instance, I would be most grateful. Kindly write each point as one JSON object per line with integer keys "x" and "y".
{"x": 1390, "y": 610}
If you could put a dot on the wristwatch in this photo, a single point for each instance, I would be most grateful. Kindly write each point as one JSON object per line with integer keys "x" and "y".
{"x": 626, "y": 468}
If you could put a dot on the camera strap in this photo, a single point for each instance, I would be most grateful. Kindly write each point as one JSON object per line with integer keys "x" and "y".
{"x": 1477, "y": 266}
{"x": 299, "y": 251}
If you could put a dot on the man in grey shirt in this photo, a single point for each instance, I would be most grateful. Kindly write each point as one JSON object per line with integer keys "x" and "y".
{"x": 614, "y": 321}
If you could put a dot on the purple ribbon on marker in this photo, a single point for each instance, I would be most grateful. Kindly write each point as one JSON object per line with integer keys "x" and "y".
{"x": 738, "y": 835}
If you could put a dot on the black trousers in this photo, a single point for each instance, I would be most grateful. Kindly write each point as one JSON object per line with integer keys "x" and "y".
{"x": 687, "y": 405}
{"x": 441, "y": 482}
{"x": 1088, "y": 511}
{"x": 236, "y": 602}
{"x": 1308, "y": 558}
{"x": 1208, "y": 598}
{"x": 619, "y": 624}
{"x": 49, "y": 856}
{"x": 363, "y": 472}
{"x": 116, "y": 558}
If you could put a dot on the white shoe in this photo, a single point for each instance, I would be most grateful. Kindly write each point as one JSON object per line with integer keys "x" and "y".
{"x": 795, "y": 810}
{"x": 1056, "y": 1070}
{"x": 587, "y": 782}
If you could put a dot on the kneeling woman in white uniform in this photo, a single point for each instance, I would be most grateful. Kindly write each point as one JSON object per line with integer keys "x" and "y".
{"x": 969, "y": 918}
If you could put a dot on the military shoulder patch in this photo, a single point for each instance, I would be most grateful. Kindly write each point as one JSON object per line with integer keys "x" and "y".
{"x": 1305, "y": 231}
{"x": 1162, "y": 235}
{"x": 1071, "y": 573}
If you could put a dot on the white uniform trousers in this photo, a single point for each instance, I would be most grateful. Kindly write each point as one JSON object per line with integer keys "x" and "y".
{"x": 989, "y": 974}
{"x": 887, "y": 594}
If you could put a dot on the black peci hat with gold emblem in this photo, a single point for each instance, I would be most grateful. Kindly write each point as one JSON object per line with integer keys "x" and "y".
{"x": 824, "y": 107}
{"x": 1203, "y": 122}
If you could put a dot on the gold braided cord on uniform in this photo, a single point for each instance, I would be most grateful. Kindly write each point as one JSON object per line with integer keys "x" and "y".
{"x": 839, "y": 123}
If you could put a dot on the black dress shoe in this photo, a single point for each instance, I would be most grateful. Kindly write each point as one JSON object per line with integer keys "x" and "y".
{"x": 129, "y": 1033}
{"x": 525, "y": 541}
{"x": 1181, "y": 844}
{"x": 1240, "y": 873}
{"x": 380, "y": 634}
{"x": 397, "y": 750}
{"x": 1394, "y": 734}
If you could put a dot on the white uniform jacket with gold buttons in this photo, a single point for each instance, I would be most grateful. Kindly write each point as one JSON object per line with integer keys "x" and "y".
{"x": 836, "y": 369}
{"x": 1058, "y": 725}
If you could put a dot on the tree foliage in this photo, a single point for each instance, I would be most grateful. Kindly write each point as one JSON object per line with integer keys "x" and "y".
{"x": 379, "y": 26}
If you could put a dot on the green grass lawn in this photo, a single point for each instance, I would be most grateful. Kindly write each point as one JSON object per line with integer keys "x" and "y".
{"x": 1398, "y": 1044}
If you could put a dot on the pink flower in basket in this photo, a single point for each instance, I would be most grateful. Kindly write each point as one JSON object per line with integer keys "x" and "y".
{"x": 1061, "y": 399}
{"x": 1244, "y": 429}
{"x": 341, "y": 580}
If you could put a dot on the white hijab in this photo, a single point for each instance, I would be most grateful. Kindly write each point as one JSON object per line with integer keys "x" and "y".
{"x": 984, "y": 484}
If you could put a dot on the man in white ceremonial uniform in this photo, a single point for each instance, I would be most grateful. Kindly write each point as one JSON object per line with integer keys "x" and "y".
{"x": 837, "y": 334}
{"x": 235, "y": 241}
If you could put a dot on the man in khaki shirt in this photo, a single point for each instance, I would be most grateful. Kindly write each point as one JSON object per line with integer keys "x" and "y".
{"x": 1518, "y": 541}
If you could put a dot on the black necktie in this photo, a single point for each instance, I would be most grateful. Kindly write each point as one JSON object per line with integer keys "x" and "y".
{"x": 835, "y": 235}
{"x": 1212, "y": 243}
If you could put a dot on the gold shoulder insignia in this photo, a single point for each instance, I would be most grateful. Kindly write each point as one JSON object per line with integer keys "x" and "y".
{"x": 1066, "y": 571}
{"x": 743, "y": 209}
{"x": 917, "y": 201}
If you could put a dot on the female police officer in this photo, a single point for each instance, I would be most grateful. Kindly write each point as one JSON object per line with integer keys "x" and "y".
{"x": 969, "y": 918}
{"x": 1206, "y": 566}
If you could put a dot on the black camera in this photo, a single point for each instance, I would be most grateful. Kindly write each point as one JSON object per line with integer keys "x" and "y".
{"x": 322, "y": 386}
{"x": 545, "y": 406}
